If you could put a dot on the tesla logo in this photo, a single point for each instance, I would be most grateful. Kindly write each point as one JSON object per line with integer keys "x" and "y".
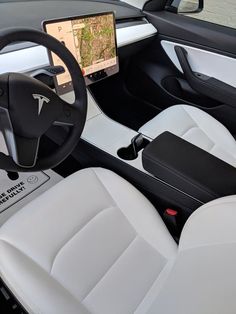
{"x": 41, "y": 99}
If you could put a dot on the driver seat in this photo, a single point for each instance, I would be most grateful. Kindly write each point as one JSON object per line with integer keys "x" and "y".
{"x": 94, "y": 244}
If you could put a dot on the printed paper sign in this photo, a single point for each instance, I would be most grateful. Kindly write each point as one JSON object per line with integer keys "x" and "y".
{"x": 13, "y": 191}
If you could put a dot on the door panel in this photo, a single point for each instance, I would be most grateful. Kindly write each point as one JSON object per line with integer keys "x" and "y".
{"x": 197, "y": 32}
{"x": 208, "y": 63}
{"x": 156, "y": 76}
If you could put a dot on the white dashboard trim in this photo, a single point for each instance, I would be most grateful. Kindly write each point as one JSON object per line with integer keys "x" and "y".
{"x": 132, "y": 34}
{"x": 29, "y": 59}
{"x": 24, "y": 60}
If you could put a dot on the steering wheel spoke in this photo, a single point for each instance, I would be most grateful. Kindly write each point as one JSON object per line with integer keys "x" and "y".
{"x": 22, "y": 150}
{"x": 69, "y": 115}
{"x": 26, "y": 151}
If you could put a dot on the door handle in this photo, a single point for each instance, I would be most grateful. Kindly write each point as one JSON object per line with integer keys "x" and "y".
{"x": 204, "y": 84}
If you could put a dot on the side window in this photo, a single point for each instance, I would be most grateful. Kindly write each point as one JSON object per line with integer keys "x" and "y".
{"x": 222, "y": 12}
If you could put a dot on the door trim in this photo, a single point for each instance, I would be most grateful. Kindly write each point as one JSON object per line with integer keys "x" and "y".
{"x": 203, "y": 61}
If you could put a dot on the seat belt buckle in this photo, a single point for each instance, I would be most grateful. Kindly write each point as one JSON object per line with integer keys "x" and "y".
{"x": 170, "y": 217}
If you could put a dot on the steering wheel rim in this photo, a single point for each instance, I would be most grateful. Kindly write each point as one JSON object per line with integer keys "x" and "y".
{"x": 75, "y": 112}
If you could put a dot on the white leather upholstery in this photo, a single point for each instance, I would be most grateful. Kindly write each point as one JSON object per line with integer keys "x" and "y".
{"x": 94, "y": 244}
{"x": 3, "y": 147}
{"x": 202, "y": 279}
{"x": 196, "y": 127}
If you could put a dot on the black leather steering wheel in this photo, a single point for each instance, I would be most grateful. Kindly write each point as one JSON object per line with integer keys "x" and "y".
{"x": 28, "y": 107}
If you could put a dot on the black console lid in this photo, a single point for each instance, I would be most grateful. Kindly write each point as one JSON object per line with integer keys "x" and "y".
{"x": 189, "y": 168}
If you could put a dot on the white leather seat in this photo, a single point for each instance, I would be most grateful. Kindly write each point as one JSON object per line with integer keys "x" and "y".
{"x": 196, "y": 127}
{"x": 94, "y": 244}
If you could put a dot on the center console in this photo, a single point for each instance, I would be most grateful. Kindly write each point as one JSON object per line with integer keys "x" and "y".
{"x": 188, "y": 167}
{"x": 107, "y": 143}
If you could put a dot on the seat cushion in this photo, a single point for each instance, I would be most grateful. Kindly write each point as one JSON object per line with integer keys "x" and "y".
{"x": 91, "y": 244}
{"x": 196, "y": 127}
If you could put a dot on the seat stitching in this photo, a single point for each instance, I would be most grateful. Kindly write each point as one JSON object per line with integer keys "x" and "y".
{"x": 199, "y": 246}
{"x": 214, "y": 144}
{"x": 108, "y": 192}
{"x": 211, "y": 142}
{"x": 192, "y": 120}
{"x": 114, "y": 203}
{"x": 197, "y": 124}
{"x": 123, "y": 252}
{"x": 75, "y": 233}
{"x": 33, "y": 261}
{"x": 187, "y": 130}
{"x": 223, "y": 148}
{"x": 196, "y": 127}
{"x": 166, "y": 266}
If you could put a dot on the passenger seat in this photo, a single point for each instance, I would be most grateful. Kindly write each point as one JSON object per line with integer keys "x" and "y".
{"x": 196, "y": 127}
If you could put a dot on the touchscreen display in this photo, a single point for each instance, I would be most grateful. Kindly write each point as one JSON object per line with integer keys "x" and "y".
{"x": 92, "y": 41}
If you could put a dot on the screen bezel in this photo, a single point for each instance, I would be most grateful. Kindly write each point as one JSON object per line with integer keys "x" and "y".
{"x": 69, "y": 86}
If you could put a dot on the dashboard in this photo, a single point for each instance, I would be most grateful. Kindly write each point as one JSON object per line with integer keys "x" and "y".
{"x": 131, "y": 27}
{"x": 32, "y": 13}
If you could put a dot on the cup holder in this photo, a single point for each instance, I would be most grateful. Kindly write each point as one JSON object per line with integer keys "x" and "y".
{"x": 131, "y": 152}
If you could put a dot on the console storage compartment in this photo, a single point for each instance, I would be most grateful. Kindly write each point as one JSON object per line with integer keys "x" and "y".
{"x": 189, "y": 168}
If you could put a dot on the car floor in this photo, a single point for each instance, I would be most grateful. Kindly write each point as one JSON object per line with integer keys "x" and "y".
{"x": 8, "y": 304}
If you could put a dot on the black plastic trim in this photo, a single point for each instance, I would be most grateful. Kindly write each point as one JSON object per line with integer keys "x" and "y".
{"x": 194, "y": 31}
{"x": 188, "y": 167}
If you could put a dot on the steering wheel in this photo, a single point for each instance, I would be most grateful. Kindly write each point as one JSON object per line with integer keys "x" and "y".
{"x": 28, "y": 108}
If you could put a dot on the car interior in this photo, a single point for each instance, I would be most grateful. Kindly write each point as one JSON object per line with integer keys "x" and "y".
{"x": 117, "y": 158}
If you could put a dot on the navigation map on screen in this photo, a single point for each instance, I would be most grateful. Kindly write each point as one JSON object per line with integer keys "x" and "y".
{"x": 92, "y": 41}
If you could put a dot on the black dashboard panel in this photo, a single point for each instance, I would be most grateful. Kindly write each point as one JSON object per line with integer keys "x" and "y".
{"x": 32, "y": 13}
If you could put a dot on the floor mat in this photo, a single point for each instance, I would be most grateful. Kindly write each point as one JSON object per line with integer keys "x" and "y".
{"x": 14, "y": 194}
{"x": 11, "y": 191}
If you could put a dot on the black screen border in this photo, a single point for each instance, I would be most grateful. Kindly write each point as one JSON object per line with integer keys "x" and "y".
{"x": 44, "y": 23}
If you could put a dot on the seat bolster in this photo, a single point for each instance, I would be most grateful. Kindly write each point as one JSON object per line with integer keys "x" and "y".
{"x": 212, "y": 224}
{"x": 29, "y": 282}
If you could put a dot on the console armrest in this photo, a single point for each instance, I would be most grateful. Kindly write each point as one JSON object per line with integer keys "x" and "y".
{"x": 189, "y": 168}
